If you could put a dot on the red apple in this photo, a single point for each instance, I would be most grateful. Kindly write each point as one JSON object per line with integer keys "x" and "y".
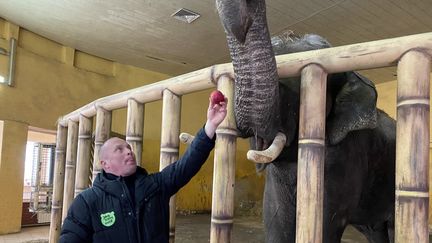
{"x": 217, "y": 97}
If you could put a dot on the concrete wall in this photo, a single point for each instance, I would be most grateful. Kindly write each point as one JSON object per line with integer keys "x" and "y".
{"x": 50, "y": 83}
{"x": 13, "y": 138}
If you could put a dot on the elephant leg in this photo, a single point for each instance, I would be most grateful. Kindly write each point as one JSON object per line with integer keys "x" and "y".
{"x": 279, "y": 202}
{"x": 390, "y": 229}
{"x": 376, "y": 233}
{"x": 334, "y": 225}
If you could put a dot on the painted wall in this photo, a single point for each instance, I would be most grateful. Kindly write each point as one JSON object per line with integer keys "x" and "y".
{"x": 48, "y": 86}
{"x": 41, "y": 137}
{"x": 13, "y": 137}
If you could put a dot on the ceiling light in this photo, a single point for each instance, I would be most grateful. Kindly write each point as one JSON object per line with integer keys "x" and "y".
{"x": 185, "y": 15}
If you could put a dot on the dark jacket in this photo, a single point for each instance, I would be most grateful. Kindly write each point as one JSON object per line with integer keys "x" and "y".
{"x": 106, "y": 213}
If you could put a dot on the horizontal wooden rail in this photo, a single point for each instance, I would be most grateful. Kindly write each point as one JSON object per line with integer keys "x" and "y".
{"x": 179, "y": 85}
{"x": 374, "y": 54}
{"x": 361, "y": 56}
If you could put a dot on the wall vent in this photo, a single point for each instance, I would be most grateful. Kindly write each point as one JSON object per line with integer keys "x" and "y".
{"x": 185, "y": 15}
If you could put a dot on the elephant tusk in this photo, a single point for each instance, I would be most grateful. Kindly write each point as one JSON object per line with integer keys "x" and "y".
{"x": 186, "y": 138}
{"x": 270, "y": 154}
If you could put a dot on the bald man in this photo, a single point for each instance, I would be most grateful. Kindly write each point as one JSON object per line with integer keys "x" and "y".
{"x": 126, "y": 204}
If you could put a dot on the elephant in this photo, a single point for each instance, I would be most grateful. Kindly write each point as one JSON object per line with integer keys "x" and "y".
{"x": 360, "y": 143}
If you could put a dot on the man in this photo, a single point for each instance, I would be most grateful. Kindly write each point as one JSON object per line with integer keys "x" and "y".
{"x": 126, "y": 204}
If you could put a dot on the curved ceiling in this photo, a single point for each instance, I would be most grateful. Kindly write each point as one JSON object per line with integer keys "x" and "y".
{"x": 143, "y": 33}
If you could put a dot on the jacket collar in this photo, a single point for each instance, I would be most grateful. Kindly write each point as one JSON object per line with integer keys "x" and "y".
{"x": 146, "y": 184}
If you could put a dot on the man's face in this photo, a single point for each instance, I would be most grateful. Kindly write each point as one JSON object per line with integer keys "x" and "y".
{"x": 117, "y": 157}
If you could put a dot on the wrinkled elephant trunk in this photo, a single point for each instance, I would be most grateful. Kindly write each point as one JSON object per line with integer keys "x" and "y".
{"x": 256, "y": 104}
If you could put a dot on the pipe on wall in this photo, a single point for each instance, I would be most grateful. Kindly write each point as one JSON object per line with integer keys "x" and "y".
{"x": 12, "y": 56}
{"x": 11, "y": 65}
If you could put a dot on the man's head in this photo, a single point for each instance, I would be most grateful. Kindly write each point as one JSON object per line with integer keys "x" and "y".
{"x": 117, "y": 158}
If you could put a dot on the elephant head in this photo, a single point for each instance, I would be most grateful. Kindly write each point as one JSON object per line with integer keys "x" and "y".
{"x": 264, "y": 105}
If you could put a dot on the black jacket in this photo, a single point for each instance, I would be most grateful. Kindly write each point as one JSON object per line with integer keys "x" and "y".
{"x": 106, "y": 213}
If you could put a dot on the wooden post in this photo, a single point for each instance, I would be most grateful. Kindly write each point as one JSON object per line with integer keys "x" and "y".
{"x": 102, "y": 132}
{"x": 412, "y": 148}
{"x": 57, "y": 201}
{"x": 134, "y": 128}
{"x": 224, "y": 170}
{"x": 71, "y": 155}
{"x": 430, "y": 191}
{"x": 83, "y": 154}
{"x": 36, "y": 186}
{"x": 169, "y": 152}
{"x": 310, "y": 174}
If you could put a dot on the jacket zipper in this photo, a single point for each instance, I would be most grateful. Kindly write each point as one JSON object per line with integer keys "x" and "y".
{"x": 137, "y": 223}
{"x": 126, "y": 193}
{"x": 146, "y": 199}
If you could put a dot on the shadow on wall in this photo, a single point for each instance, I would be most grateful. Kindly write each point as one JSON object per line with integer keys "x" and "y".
{"x": 248, "y": 195}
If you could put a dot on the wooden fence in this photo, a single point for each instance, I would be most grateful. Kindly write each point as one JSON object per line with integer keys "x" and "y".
{"x": 411, "y": 54}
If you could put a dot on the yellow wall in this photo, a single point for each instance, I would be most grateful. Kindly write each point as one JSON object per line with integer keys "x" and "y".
{"x": 41, "y": 137}
{"x": 46, "y": 88}
{"x": 13, "y": 137}
{"x": 387, "y": 97}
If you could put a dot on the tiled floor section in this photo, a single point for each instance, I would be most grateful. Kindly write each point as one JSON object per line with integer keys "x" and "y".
{"x": 28, "y": 234}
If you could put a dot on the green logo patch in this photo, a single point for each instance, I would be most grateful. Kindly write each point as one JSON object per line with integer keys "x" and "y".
{"x": 108, "y": 219}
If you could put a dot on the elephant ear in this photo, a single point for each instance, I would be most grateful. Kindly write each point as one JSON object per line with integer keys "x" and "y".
{"x": 354, "y": 108}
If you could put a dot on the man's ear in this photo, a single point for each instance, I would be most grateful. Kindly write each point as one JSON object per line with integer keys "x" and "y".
{"x": 103, "y": 164}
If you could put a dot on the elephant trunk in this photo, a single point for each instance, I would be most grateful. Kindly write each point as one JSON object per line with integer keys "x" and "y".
{"x": 256, "y": 104}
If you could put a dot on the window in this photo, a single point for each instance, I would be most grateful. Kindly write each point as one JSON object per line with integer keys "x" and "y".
{"x": 38, "y": 176}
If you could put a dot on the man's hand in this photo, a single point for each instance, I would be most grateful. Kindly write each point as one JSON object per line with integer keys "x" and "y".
{"x": 215, "y": 115}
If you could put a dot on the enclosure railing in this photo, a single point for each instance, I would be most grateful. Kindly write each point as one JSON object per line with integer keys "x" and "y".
{"x": 412, "y": 55}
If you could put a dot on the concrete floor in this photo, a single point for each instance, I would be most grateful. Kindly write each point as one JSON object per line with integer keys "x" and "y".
{"x": 190, "y": 229}
{"x": 196, "y": 229}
